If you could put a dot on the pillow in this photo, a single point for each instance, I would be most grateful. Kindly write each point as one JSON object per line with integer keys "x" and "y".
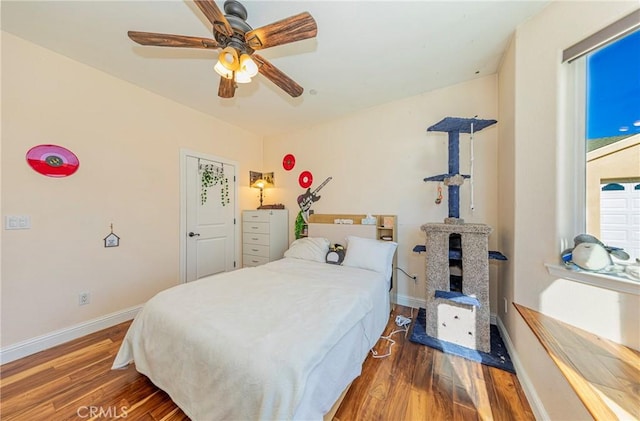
{"x": 309, "y": 248}
{"x": 366, "y": 253}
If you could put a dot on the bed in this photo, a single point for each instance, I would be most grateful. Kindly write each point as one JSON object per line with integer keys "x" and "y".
{"x": 277, "y": 341}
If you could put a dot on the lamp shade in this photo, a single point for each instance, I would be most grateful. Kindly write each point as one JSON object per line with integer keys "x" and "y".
{"x": 223, "y": 71}
{"x": 229, "y": 58}
{"x": 242, "y": 77}
{"x": 248, "y": 66}
{"x": 259, "y": 184}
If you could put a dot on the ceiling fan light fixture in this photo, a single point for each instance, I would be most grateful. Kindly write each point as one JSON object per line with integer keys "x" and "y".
{"x": 242, "y": 77}
{"x": 237, "y": 42}
{"x": 229, "y": 58}
{"x": 223, "y": 71}
{"x": 248, "y": 65}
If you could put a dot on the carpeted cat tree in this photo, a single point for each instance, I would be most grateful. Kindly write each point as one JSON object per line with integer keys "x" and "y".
{"x": 457, "y": 257}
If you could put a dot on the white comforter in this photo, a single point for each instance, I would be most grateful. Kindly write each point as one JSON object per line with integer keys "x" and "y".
{"x": 259, "y": 343}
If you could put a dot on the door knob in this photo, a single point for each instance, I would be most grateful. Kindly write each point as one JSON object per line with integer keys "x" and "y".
{"x": 193, "y": 234}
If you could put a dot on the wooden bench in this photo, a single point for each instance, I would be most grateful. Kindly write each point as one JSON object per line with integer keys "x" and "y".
{"x": 605, "y": 375}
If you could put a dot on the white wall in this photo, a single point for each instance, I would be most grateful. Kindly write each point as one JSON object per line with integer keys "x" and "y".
{"x": 378, "y": 159}
{"x": 128, "y": 142}
{"x": 532, "y": 210}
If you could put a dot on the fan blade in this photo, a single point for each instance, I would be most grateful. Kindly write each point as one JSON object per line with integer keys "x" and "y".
{"x": 169, "y": 40}
{"x": 215, "y": 16}
{"x": 227, "y": 88}
{"x": 276, "y": 76}
{"x": 294, "y": 28}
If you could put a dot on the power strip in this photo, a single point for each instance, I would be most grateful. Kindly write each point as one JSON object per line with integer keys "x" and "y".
{"x": 402, "y": 321}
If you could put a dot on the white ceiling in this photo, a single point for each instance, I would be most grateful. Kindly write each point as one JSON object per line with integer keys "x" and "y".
{"x": 366, "y": 52}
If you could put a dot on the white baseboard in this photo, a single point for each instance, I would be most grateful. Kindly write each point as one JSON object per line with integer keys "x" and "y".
{"x": 49, "y": 340}
{"x": 534, "y": 400}
{"x": 408, "y": 301}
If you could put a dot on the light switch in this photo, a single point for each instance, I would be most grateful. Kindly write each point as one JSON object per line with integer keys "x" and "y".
{"x": 24, "y": 222}
{"x": 17, "y": 222}
{"x": 11, "y": 223}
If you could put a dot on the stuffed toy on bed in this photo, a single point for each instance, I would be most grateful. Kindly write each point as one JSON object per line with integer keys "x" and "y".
{"x": 335, "y": 255}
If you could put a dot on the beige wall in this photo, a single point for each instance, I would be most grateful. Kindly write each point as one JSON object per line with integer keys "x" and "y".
{"x": 378, "y": 159}
{"x": 545, "y": 385}
{"x": 128, "y": 142}
{"x": 535, "y": 214}
{"x": 620, "y": 162}
{"x": 506, "y": 178}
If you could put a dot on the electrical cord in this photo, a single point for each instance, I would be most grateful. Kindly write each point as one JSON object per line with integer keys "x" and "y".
{"x": 403, "y": 323}
{"x": 403, "y": 271}
{"x": 374, "y": 353}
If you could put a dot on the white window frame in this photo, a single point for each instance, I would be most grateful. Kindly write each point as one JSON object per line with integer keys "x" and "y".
{"x": 572, "y": 152}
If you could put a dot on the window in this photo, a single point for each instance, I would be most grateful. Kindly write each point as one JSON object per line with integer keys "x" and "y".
{"x": 612, "y": 129}
{"x": 604, "y": 101}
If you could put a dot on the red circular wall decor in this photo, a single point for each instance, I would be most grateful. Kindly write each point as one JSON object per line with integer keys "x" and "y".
{"x": 305, "y": 180}
{"x": 288, "y": 162}
{"x": 52, "y": 160}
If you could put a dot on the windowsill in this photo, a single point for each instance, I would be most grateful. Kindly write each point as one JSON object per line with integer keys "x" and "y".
{"x": 612, "y": 282}
{"x": 598, "y": 370}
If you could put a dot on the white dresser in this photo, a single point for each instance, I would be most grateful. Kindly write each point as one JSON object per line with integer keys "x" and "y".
{"x": 265, "y": 235}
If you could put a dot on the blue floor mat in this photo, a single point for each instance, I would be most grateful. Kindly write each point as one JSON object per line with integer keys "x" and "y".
{"x": 498, "y": 357}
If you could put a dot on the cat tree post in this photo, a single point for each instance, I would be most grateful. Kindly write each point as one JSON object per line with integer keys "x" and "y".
{"x": 454, "y": 168}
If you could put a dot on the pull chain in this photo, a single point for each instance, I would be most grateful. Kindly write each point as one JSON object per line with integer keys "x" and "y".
{"x": 472, "y": 204}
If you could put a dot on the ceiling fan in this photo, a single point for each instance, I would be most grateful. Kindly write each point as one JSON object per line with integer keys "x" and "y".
{"x": 237, "y": 62}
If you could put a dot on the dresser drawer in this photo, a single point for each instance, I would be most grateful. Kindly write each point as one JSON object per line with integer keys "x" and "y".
{"x": 256, "y": 250}
{"x": 255, "y": 216}
{"x": 264, "y": 235}
{"x": 254, "y": 238}
{"x": 256, "y": 227}
{"x": 249, "y": 260}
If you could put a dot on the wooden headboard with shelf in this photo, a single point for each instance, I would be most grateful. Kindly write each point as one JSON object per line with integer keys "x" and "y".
{"x": 384, "y": 229}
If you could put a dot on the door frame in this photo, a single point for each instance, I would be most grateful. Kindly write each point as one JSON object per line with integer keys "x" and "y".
{"x": 184, "y": 153}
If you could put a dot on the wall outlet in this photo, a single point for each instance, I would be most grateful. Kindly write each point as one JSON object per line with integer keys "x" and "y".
{"x": 21, "y": 222}
{"x": 506, "y": 304}
{"x": 84, "y": 298}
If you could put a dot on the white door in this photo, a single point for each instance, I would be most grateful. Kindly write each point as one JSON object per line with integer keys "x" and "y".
{"x": 209, "y": 228}
{"x": 620, "y": 216}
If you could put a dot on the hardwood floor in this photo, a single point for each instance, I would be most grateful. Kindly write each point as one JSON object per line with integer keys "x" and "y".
{"x": 74, "y": 381}
{"x": 420, "y": 383}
